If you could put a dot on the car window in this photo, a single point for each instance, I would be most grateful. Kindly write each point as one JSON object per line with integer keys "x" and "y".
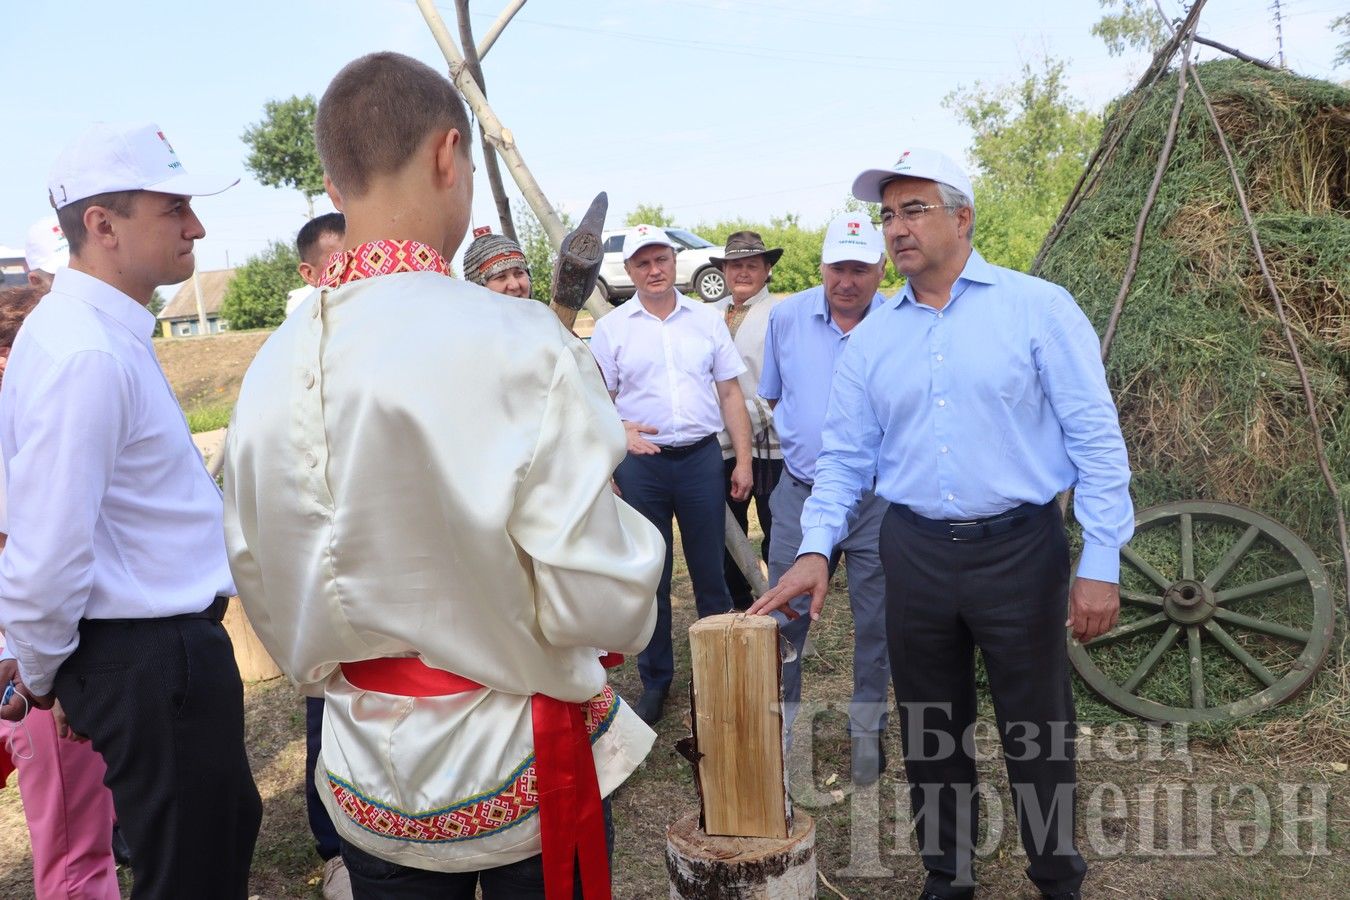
{"x": 614, "y": 243}
{"x": 687, "y": 239}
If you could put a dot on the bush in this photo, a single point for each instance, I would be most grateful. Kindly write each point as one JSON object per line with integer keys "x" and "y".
{"x": 256, "y": 298}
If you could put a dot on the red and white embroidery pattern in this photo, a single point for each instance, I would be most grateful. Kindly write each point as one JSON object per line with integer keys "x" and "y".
{"x": 382, "y": 258}
{"x": 514, "y": 801}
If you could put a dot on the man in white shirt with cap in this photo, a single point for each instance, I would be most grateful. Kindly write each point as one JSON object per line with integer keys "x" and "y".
{"x": 45, "y": 251}
{"x": 671, "y": 367}
{"x": 115, "y": 579}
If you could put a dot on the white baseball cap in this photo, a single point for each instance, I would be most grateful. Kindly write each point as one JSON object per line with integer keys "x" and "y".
{"x": 125, "y": 158}
{"x": 852, "y": 236}
{"x": 46, "y": 248}
{"x": 644, "y": 236}
{"x": 916, "y": 162}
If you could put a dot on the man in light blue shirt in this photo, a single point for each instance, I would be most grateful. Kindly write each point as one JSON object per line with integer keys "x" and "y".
{"x": 807, "y": 333}
{"x": 973, "y": 398}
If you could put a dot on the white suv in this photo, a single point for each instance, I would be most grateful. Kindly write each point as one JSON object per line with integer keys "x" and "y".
{"x": 694, "y": 270}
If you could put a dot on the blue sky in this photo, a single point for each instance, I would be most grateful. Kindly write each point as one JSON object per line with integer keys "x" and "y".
{"x": 713, "y": 108}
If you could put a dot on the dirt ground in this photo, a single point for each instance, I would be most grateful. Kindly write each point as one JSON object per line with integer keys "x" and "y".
{"x": 208, "y": 370}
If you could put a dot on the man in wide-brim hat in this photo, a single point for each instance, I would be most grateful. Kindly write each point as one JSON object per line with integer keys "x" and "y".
{"x": 746, "y": 264}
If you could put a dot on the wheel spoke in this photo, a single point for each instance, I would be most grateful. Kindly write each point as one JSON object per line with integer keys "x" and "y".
{"x": 1187, "y": 547}
{"x": 1257, "y": 588}
{"x": 1262, "y": 674}
{"x": 1151, "y": 661}
{"x": 1230, "y": 558}
{"x": 1153, "y": 575}
{"x": 1271, "y": 628}
{"x": 1139, "y": 599}
{"x": 1197, "y": 670}
{"x": 1129, "y": 630}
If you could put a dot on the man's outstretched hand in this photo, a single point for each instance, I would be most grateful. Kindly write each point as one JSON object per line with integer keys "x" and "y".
{"x": 810, "y": 574}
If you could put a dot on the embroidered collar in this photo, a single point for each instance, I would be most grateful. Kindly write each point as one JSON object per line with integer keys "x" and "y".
{"x": 382, "y": 258}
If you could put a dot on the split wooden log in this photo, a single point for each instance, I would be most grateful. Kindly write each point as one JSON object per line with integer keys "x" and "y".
{"x": 705, "y": 867}
{"x": 738, "y": 725}
{"x": 255, "y": 664}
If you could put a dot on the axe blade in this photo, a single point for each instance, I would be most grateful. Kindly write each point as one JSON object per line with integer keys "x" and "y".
{"x": 579, "y": 258}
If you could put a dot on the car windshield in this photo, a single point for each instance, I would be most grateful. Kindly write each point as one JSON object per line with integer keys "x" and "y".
{"x": 688, "y": 239}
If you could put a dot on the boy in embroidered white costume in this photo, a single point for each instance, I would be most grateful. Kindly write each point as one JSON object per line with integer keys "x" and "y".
{"x": 421, "y": 527}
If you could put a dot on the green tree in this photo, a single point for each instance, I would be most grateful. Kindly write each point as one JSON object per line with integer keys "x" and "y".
{"x": 1342, "y": 24}
{"x": 1130, "y": 24}
{"x": 256, "y": 298}
{"x": 539, "y": 252}
{"x": 650, "y": 214}
{"x": 281, "y": 147}
{"x": 156, "y": 304}
{"x": 799, "y": 267}
{"x": 1031, "y": 142}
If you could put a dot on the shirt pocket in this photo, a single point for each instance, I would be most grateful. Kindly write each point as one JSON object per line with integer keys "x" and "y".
{"x": 694, "y": 355}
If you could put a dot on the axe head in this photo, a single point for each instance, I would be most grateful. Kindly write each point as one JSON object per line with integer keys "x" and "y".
{"x": 579, "y": 258}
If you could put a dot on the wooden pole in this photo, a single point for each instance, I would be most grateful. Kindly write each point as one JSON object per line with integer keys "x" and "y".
{"x": 494, "y": 174}
{"x": 495, "y": 31}
{"x": 502, "y": 139}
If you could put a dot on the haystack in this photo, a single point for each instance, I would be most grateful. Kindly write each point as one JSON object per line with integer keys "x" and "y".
{"x": 1210, "y": 400}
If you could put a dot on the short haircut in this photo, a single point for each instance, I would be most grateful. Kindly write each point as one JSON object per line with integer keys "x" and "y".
{"x": 955, "y": 199}
{"x": 317, "y": 227}
{"x": 376, "y": 113}
{"x": 71, "y": 216}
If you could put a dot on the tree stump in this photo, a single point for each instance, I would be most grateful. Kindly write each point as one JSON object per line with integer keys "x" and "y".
{"x": 709, "y": 867}
{"x": 255, "y": 663}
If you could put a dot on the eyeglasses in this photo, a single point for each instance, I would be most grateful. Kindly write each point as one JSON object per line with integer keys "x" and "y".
{"x": 910, "y": 214}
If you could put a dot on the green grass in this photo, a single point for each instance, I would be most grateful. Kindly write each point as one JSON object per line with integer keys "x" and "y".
{"x": 209, "y": 417}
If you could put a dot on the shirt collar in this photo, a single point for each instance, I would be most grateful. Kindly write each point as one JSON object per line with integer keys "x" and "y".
{"x": 385, "y": 257}
{"x": 105, "y": 298}
{"x": 976, "y": 270}
{"x": 820, "y": 307}
{"x": 681, "y": 301}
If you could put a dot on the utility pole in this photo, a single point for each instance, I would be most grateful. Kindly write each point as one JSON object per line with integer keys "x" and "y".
{"x": 1279, "y": 29}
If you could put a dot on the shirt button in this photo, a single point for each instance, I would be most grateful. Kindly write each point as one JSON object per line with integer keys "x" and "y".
{"x": 939, "y": 357}
{"x": 939, "y": 315}
{"x": 951, "y": 496}
{"x": 942, "y": 449}
{"x": 309, "y": 379}
{"x": 310, "y": 459}
{"x": 942, "y": 403}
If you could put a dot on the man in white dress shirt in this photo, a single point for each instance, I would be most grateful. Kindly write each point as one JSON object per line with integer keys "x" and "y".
{"x": 115, "y": 578}
{"x": 423, "y": 532}
{"x": 672, "y": 370}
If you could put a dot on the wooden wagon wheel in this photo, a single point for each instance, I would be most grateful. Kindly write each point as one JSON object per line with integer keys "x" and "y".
{"x": 1224, "y": 612}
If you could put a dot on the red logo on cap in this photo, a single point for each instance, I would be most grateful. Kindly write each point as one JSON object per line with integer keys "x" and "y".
{"x": 853, "y": 229}
{"x": 903, "y": 156}
{"x": 642, "y": 229}
{"x": 166, "y": 142}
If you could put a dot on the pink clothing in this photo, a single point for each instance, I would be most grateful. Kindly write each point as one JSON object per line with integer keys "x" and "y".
{"x": 68, "y": 808}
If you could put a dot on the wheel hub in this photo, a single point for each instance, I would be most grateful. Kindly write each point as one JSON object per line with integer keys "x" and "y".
{"x": 1189, "y": 602}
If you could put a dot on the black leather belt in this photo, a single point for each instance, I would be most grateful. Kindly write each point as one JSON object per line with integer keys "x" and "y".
{"x": 975, "y": 529}
{"x": 215, "y": 613}
{"x": 686, "y": 449}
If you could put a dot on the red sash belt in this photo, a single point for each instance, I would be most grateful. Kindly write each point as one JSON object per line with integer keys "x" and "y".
{"x": 571, "y": 820}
